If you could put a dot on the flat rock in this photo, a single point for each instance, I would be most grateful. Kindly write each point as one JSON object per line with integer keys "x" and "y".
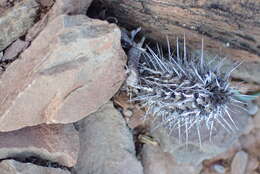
{"x": 239, "y": 163}
{"x": 155, "y": 161}
{"x": 56, "y": 143}
{"x": 14, "y": 49}
{"x": 14, "y": 167}
{"x": 73, "y": 67}
{"x": 106, "y": 144}
{"x": 16, "y": 21}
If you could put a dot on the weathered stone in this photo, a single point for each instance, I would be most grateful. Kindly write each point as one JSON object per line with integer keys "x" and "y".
{"x": 239, "y": 163}
{"x": 57, "y": 143}
{"x": 73, "y": 67}
{"x": 106, "y": 144}
{"x": 14, "y": 167}
{"x": 14, "y": 49}
{"x": 1, "y": 55}
{"x": 253, "y": 164}
{"x": 16, "y": 21}
{"x": 156, "y": 161}
{"x": 70, "y": 7}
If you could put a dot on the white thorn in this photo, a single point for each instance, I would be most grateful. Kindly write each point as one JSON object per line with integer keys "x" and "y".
{"x": 231, "y": 119}
{"x": 211, "y": 129}
{"x": 178, "y": 54}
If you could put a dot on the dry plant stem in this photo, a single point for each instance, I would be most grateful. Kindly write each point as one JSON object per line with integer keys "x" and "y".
{"x": 134, "y": 55}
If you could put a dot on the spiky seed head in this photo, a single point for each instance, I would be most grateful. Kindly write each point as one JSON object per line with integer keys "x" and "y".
{"x": 185, "y": 91}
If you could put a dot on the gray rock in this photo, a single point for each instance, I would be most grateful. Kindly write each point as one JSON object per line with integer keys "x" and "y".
{"x": 16, "y": 21}
{"x": 155, "y": 161}
{"x": 14, "y": 49}
{"x": 75, "y": 65}
{"x": 106, "y": 144}
{"x": 239, "y": 163}
{"x": 14, "y": 167}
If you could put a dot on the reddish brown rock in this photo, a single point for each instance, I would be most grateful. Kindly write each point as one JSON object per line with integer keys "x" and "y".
{"x": 57, "y": 143}
{"x": 72, "y": 68}
{"x": 14, "y": 49}
{"x": 14, "y": 167}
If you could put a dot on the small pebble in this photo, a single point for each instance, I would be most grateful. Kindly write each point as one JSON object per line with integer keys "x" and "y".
{"x": 128, "y": 113}
{"x": 219, "y": 168}
{"x": 239, "y": 163}
{"x": 252, "y": 108}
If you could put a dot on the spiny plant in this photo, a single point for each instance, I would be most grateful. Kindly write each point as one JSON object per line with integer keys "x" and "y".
{"x": 183, "y": 91}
